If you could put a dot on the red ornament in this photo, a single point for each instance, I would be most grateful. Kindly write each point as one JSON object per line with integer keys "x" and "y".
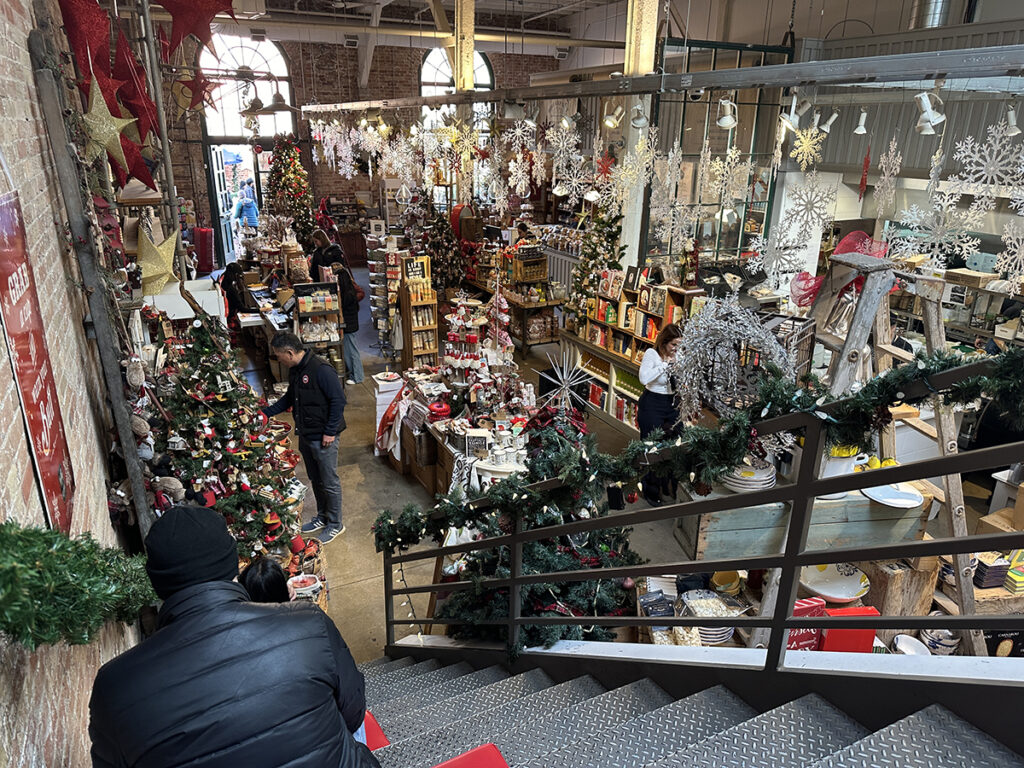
{"x": 628, "y": 583}
{"x": 258, "y": 149}
{"x": 604, "y": 165}
{"x": 298, "y": 544}
{"x": 864, "y": 174}
{"x": 633, "y": 497}
{"x": 87, "y": 27}
{"x": 193, "y": 17}
{"x": 134, "y": 93}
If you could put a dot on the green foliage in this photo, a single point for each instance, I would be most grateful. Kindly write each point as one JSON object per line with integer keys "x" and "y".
{"x": 447, "y": 261}
{"x": 54, "y": 588}
{"x": 600, "y": 250}
{"x": 288, "y": 188}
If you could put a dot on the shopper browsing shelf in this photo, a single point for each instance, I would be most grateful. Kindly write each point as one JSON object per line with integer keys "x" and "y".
{"x": 656, "y": 408}
{"x": 324, "y": 255}
{"x": 318, "y": 405}
{"x": 196, "y": 692}
{"x": 350, "y": 314}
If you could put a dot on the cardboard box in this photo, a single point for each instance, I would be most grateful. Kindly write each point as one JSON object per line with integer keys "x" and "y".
{"x": 1000, "y": 521}
{"x": 969, "y": 277}
{"x": 806, "y": 639}
{"x": 1008, "y": 330}
{"x": 849, "y": 640}
{"x": 251, "y": 278}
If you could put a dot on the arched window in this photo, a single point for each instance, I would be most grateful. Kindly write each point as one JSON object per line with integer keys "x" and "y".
{"x": 436, "y": 79}
{"x": 246, "y": 68}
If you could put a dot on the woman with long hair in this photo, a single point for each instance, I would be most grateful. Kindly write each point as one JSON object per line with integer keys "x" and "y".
{"x": 656, "y": 409}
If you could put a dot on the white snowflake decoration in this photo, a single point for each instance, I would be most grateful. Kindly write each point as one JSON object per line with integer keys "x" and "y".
{"x": 889, "y": 164}
{"x": 779, "y": 254}
{"x": 563, "y": 143}
{"x": 939, "y": 231}
{"x": 519, "y": 175}
{"x": 704, "y": 168}
{"x": 807, "y": 147}
{"x": 780, "y": 138}
{"x": 1011, "y": 260}
{"x": 811, "y": 205}
{"x": 729, "y": 177}
{"x": 520, "y": 136}
{"x": 576, "y": 179}
{"x": 984, "y": 167}
{"x": 539, "y": 171}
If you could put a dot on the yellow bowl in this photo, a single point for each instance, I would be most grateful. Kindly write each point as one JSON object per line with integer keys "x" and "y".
{"x": 726, "y": 581}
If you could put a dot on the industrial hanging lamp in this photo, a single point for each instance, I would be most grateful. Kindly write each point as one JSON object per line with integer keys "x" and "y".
{"x": 614, "y": 118}
{"x": 639, "y": 119}
{"x": 796, "y": 111}
{"x": 1011, "y": 120}
{"x": 827, "y": 127}
{"x": 726, "y": 114}
{"x": 862, "y": 123}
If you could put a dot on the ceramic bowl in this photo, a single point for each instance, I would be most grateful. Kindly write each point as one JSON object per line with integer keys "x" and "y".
{"x": 836, "y": 582}
{"x": 909, "y": 646}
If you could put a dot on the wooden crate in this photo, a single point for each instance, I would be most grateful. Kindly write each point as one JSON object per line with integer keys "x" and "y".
{"x": 899, "y": 590}
{"x": 761, "y": 530}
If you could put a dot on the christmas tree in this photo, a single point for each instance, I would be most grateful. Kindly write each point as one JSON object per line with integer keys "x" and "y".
{"x": 447, "y": 261}
{"x": 221, "y": 448}
{"x": 288, "y": 188}
{"x": 599, "y": 250}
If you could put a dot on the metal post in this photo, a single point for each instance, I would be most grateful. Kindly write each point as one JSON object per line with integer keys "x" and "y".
{"x": 515, "y": 597}
{"x": 796, "y": 540}
{"x": 96, "y": 291}
{"x": 171, "y": 200}
{"x": 389, "y": 599}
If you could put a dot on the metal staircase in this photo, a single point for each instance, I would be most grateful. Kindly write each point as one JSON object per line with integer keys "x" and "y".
{"x": 432, "y": 713}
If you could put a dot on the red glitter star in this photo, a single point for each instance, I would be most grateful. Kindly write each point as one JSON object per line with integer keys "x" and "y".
{"x": 134, "y": 94}
{"x": 201, "y": 89}
{"x": 604, "y": 165}
{"x": 193, "y": 17}
{"x": 87, "y": 27}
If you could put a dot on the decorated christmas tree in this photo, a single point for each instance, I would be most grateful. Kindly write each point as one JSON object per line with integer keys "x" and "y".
{"x": 599, "y": 250}
{"x": 221, "y": 448}
{"x": 447, "y": 261}
{"x": 288, "y": 188}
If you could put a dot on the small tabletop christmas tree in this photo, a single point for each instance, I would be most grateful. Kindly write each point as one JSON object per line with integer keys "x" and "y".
{"x": 447, "y": 261}
{"x": 288, "y": 188}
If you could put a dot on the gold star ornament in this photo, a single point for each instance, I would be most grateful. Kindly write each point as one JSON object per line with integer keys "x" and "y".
{"x": 156, "y": 262}
{"x": 103, "y": 128}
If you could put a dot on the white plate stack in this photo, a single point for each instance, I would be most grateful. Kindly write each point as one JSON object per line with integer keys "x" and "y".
{"x": 753, "y": 474}
{"x": 704, "y": 602}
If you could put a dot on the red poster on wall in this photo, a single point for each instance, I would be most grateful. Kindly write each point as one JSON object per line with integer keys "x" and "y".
{"x": 26, "y": 344}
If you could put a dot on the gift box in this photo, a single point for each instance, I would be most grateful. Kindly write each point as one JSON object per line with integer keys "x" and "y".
{"x": 806, "y": 638}
{"x": 849, "y": 640}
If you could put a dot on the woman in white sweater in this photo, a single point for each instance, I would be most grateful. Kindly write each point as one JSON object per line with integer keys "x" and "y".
{"x": 656, "y": 409}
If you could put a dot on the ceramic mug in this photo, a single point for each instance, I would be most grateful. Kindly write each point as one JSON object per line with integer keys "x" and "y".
{"x": 841, "y": 465}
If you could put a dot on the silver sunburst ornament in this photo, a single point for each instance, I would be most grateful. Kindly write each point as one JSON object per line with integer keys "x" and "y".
{"x": 566, "y": 376}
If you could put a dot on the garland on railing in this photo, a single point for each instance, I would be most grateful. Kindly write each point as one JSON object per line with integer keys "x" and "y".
{"x": 698, "y": 456}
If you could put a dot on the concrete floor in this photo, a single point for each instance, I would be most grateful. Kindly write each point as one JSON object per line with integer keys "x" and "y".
{"x": 354, "y": 570}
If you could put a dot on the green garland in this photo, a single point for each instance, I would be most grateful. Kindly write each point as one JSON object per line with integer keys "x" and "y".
{"x": 54, "y": 588}
{"x": 699, "y": 456}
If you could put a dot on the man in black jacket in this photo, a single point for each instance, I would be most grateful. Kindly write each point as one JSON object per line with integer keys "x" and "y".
{"x": 225, "y": 682}
{"x": 318, "y": 404}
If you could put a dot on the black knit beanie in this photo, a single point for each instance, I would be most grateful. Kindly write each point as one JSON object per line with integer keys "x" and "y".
{"x": 189, "y": 545}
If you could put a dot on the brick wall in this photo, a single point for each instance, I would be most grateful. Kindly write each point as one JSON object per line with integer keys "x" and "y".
{"x": 43, "y": 709}
{"x": 329, "y": 74}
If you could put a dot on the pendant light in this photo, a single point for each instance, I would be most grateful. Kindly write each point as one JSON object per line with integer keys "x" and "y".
{"x": 862, "y": 123}
{"x": 560, "y": 190}
{"x": 568, "y": 122}
{"x": 726, "y": 114}
{"x": 639, "y": 119}
{"x": 591, "y": 195}
{"x": 796, "y": 111}
{"x": 613, "y": 118}
{"x": 1011, "y": 120}
{"x": 403, "y": 196}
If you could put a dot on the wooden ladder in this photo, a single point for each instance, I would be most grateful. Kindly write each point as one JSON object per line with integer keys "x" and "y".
{"x": 871, "y": 318}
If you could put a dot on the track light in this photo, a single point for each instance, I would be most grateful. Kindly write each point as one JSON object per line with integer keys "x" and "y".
{"x": 568, "y": 122}
{"x": 363, "y": 122}
{"x": 816, "y": 119}
{"x": 613, "y": 118}
{"x": 639, "y": 119}
{"x": 726, "y": 114}
{"x": 414, "y": 129}
{"x": 862, "y": 123}
{"x": 927, "y": 103}
{"x": 924, "y": 127}
{"x": 1011, "y": 120}
{"x": 827, "y": 127}
{"x": 796, "y": 111}
{"x": 530, "y": 114}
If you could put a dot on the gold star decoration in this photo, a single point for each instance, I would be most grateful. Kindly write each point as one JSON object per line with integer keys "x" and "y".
{"x": 156, "y": 262}
{"x": 103, "y": 128}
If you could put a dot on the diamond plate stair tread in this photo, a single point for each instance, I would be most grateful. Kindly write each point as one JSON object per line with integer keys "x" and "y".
{"x": 927, "y": 739}
{"x": 438, "y": 714}
{"x": 382, "y": 682}
{"x": 417, "y": 683}
{"x": 791, "y": 736}
{"x": 367, "y": 665}
{"x": 653, "y": 735}
{"x": 441, "y": 744}
{"x": 579, "y": 721}
{"x": 389, "y": 710}
{"x": 388, "y": 666}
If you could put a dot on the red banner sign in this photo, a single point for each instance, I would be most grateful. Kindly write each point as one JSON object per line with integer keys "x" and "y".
{"x": 26, "y": 344}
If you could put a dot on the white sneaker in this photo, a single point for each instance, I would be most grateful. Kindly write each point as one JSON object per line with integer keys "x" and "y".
{"x": 349, "y": 381}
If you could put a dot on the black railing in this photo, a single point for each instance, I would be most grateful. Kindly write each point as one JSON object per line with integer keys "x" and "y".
{"x": 800, "y": 496}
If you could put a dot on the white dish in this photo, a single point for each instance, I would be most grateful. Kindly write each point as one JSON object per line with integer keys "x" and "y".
{"x": 910, "y": 646}
{"x": 836, "y": 582}
{"x": 900, "y": 496}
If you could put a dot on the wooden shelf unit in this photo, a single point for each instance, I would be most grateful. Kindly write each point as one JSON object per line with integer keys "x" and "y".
{"x": 329, "y": 350}
{"x": 419, "y": 340}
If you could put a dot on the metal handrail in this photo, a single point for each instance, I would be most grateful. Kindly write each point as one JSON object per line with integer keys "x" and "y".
{"x": 800, "y": 495}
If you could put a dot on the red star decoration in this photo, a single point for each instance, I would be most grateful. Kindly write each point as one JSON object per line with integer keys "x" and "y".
{"x": 201, "y": 89}
{"x": 193, "y": 17}
{"x": 483, "y": 153}
{"x": 864, "y": 174}
{"x": 87, "y": 27}
{"x": 137, "y": 167}
{"x": 604, "y": 165}
{"x": 542, "y": 132}
{"x": 134, "y": 94}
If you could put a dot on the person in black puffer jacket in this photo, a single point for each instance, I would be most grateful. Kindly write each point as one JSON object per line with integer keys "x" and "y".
{"x": 225, "y": 682}
{"x": 324, "y": 254}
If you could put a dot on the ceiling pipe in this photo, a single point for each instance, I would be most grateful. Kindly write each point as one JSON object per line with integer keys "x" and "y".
{"x": 927, "y": 14}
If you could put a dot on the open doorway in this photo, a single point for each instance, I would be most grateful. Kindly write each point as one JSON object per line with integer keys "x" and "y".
{"x": 237, "y": 192}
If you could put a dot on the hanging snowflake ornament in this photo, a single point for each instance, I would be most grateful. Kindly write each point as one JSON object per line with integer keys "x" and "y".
{"x": 563, "y": 143}
{"x": 711, "y": 367}
{"x": 1011, "y": 260}
{"x": 941, "y": 231}
{"x": 889, "y": 164}
{"x": 985, "y": 167}
{"x": 807, "y": 145}
{"x": 811, "y": 205}
{"x": 778, "y": 254}
{"x": 519, "y": 175}
{"x": 728, "y": 177}
{"x": 520, "y": 136}
{"x": 574, "y": 181}
{"x": 780, "y": 138}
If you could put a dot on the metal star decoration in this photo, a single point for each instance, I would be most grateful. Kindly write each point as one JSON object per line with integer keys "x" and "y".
{"x": 156, "y": 262}
{"x": 103, "y": 128}
{"x": 567, "y": 375}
